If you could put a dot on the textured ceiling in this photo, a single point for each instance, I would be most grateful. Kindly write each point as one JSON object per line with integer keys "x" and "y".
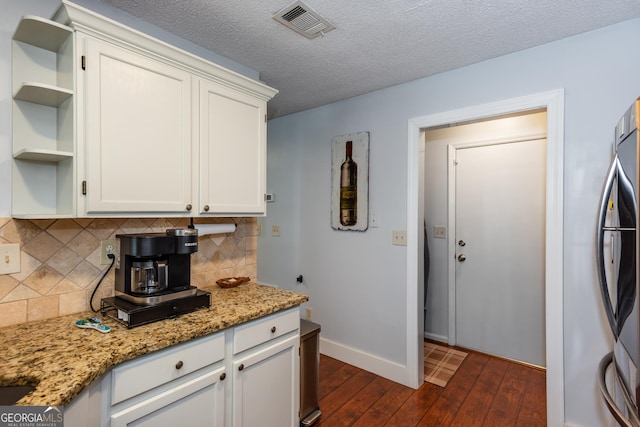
{"x": 377, "y": 43}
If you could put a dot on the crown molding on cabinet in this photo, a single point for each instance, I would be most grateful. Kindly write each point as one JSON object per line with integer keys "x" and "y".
{"x": 91, "y": 23}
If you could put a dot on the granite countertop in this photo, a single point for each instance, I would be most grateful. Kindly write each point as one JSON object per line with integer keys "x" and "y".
{"x": 63, "y": 359}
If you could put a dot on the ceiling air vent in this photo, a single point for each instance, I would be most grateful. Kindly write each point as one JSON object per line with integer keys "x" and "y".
{"x": 304, "y": 20}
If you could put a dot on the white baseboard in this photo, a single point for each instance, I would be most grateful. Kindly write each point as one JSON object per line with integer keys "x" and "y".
{"x": 436, "y": 337}
{"x": 379, "y": 366}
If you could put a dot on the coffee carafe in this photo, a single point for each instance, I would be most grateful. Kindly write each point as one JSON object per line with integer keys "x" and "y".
{"x": 148, "y": 277}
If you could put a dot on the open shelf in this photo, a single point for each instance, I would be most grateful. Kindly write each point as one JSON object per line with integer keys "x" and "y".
{"x": 40, "y": 155}
{"x": 43, "y": 94}
{"x": 42, "y": 32}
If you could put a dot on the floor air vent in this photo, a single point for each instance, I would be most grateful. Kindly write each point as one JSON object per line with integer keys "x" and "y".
{"x": 304, "y": 20}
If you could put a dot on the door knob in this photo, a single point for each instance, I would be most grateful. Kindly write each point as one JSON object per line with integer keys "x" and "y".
{"x": 462, "y": 257}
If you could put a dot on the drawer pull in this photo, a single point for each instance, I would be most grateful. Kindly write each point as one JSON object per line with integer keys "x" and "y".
{"x": 179, "y": 365}
{"x": 241, "y": 367}
{"x": 223, "y": 376}
{"x": 273, "y": 329}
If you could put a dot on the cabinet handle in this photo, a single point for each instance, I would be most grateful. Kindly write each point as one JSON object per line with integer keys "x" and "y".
{"x": 241, "y": 367}
{"x": 273, "y": 329}
{"x": 223, "y": 376}
{"x": 206, "y": 208}
{"x": 189, "y": 207}
{"x": 179, "y": 365}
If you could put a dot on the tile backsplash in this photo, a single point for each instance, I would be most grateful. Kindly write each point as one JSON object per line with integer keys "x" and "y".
{"x": 60, "y": 261}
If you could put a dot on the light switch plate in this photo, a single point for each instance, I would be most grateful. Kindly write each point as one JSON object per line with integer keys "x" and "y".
{"x": 10, "y": 258}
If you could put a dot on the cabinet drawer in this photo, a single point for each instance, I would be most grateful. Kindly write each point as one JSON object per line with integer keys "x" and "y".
{"x": 263, "y": 330}
{"x": 145, "y": 373}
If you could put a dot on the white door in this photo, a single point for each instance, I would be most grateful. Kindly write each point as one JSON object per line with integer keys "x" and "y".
{"x": 499, "y": 238}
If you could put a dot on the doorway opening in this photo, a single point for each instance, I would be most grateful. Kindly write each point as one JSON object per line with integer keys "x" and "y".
{"x": 553, "y": 103}
{"x": 484, "y": 217}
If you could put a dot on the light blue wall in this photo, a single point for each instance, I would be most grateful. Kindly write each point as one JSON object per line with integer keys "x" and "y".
{"x": 356, "y": 280}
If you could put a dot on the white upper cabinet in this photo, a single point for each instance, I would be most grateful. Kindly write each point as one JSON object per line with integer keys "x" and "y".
{"x": 137, "y": 132}
{"x": 232, "y": 131}
{"x": 108, "y": 121}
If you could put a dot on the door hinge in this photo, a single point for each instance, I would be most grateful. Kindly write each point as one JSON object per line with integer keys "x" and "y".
{"x": 83, "y": 62}
{"x": 265, "y": 118}
{"x": 84, "y": 188}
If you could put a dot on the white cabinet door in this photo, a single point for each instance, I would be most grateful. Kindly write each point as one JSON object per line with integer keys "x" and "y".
{"x": 199, "y": 402}
{"x": 266, "y": 385}
{"x": 137, "y": 132}
{"x": 232, "y": 138}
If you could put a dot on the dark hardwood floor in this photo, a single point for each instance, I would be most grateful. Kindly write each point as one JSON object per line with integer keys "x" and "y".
{"x": 486, "y": 391}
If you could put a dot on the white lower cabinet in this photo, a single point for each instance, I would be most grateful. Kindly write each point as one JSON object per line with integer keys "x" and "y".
{"x": 197, "y": 402}
{"x": 265, "y": 390}
{"x": 243, "y": 376}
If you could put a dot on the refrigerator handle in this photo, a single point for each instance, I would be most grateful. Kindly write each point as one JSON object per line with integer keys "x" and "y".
{"x": 602, "y": 384}
{"x": 604, "y": 203}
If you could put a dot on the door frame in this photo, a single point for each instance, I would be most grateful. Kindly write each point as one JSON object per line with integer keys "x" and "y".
{"x": 451, "y": 216}
{"x": 553, "y": 102}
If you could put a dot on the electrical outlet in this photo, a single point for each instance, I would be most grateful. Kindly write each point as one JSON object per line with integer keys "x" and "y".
{"x": 107, "y": 247}
{"x": 307, "y": 313}
{"x": 275, "y": 230}
{"x": 399, "y": 237}
{"x": 10, "y": 258}
{"x": 439, "y": 231}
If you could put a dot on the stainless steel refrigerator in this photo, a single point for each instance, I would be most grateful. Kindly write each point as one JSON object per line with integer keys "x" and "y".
{"x": 617, "y": 254}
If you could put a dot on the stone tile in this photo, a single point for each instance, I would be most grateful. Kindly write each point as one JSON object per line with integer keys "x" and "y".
{"x": 160, "y": 225}
{"x": 251, "y": 257}
{"x": 19, "y": 231}
{"x": 4, "y": 221}
{"x": 20, "y": 292}
{"x": 13, "y": 313}
{"x": 83, "y": 222}
{"x": 84, "y": 274}
{"x": 251, "y": 243}
{"x": 73, "y": 302}
{"x": 7, "y": 284}
{"x": 64, "y": 261}
{"x": 28, "y": 265}
{"x": 43, "y": 279}
{"x": 84, "y": 244}
{"x": 42, "y": 247}
{"x": 134, "y": 225}
{"x": 42, "y": 224}
{"x": 64, "y": 229}
{"x": 65, "y": 286}
{"x": 102, "y": 228}
{"x": 42, "y": 308}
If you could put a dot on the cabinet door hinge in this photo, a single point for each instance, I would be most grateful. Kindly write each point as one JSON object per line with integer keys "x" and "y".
{"x": 265, "y": 118}
{"x": 83, "y": 62}
{"x": 84, "y": 188}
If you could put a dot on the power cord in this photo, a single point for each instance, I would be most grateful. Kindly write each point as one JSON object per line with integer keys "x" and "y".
{"x": 113, "y": 260}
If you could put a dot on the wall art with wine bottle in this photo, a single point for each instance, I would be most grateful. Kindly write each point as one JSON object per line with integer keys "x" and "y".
{"x": 350, "y": 182}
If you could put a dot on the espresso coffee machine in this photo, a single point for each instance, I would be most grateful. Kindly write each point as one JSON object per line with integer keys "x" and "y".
{"x": 153, "y": 277}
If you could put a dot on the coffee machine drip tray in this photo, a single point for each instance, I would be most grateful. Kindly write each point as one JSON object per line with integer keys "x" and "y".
{"x": 131, "y": 315}
{"x": 158, "y": 297}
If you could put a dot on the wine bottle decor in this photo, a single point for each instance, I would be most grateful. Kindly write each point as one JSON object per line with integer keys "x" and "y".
{"x": 350, "y": 181}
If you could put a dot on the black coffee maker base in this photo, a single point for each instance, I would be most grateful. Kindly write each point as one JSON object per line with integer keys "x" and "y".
{"x": 132, "y": 315}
